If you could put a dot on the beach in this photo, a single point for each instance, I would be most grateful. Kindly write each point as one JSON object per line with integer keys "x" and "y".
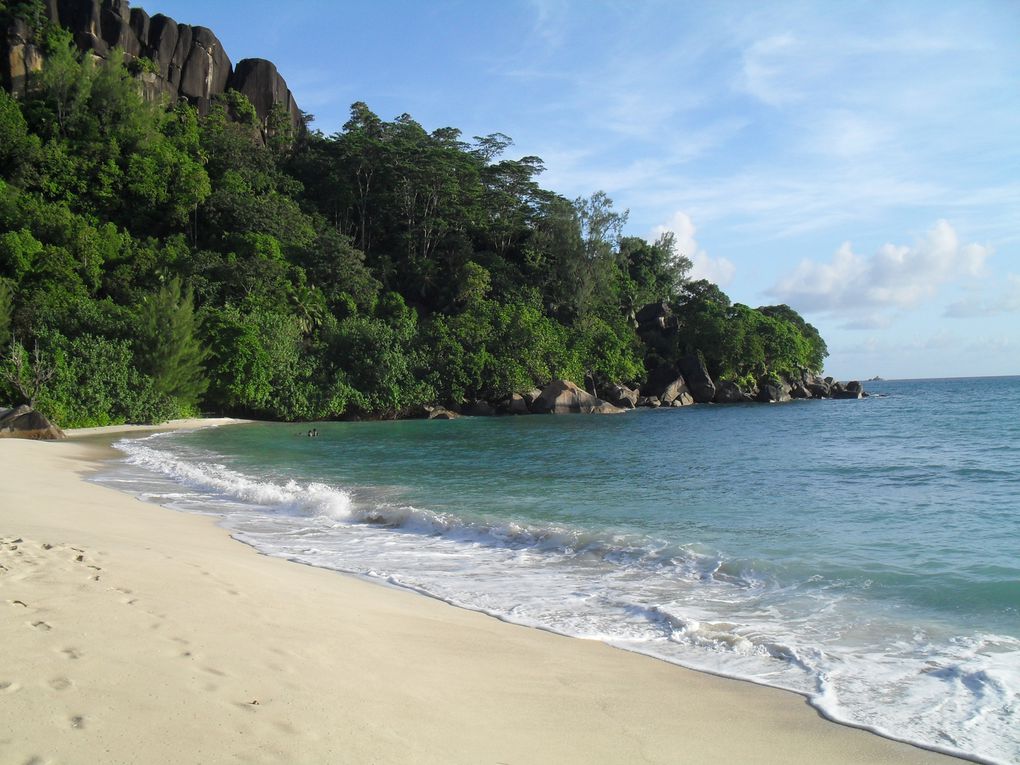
{"x": 134, "y": 633}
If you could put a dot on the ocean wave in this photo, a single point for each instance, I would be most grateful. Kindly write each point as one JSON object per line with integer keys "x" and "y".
{"x": 221, "y": 481}
{"x": 337, "y": 504}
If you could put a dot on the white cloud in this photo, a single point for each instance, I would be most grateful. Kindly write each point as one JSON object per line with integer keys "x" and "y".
{"x": 895, "y": 277}
{"x": 717, "y": 270}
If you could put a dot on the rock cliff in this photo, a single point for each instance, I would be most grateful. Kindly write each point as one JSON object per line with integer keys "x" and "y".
{"x": 187, "y": 61}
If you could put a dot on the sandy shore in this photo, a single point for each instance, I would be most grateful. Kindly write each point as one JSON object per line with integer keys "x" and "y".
{"x": 136, "y": 634}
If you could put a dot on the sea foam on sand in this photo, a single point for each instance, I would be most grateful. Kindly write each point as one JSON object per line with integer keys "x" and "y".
{"x": 131, "y": 633}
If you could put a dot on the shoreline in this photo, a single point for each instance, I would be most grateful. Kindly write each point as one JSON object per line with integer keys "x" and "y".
{"x": 340, "y": 667}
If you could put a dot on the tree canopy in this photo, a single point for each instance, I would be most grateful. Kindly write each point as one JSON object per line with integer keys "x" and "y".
{"x": 167, "y": 263}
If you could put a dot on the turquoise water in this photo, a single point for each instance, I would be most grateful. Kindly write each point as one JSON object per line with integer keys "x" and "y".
{"x": 864, "y": 553}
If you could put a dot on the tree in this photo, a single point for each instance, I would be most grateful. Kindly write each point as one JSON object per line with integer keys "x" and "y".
{"x": 96, "y": 382}
{"x": 18, "y": 253}
{"x": 656, "y": 271}
{"x": 6, "y": 309}
{"x": 66, "y": 82}
{"x": 601, "y": 229}
{"x": 27, "y": 376}
{"x": 169, "y": 348}
{"x": 816, "y": 351}
{"x": 18, "y": 148}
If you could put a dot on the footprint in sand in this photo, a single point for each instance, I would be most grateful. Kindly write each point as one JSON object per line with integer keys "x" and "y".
{"x": 77, "y": 721}
{"x": 9, "y": 686}
{"x": 72, "y": 653}
{"x": 60, "y": 683}
{"x": 42, "y": 626}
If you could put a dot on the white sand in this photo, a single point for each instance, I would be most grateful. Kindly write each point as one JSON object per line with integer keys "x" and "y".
{"x": 135, "y": 634}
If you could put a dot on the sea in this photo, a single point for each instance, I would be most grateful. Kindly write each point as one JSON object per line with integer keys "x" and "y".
{"x": 863, "y": 553}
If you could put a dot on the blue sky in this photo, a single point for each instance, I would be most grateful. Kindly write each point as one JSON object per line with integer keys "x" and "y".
{"x": 857, "y": 160}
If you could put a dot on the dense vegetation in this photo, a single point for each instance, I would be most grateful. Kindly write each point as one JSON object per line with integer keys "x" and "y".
{"x": 163, "y": 263}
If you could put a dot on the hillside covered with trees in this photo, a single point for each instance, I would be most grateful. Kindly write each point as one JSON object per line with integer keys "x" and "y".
{"x": 156, "y": 263}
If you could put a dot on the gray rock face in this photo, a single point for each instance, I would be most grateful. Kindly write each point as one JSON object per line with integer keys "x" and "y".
{"x": 799, "y": 390}
{"x": 564, "y": 397}
{"x": 190, "y": 61}
{"x": 479, "y": 409}
{"x": 20, "y": 59}
{"x": 206, "y": 69}
{"x": 698, "y": 379}
{"x": 622, "y": 396}
{"x": 730, "y": 393}
{"x": 517, "y": 405}
{"x": 772, "y": 394}
{"x": 851, "y": 390}
{"x": 25, "y": 422}
{"x": 818, "y": 388}
{"x": 531, "y": 396}
{"x": 655, "y": 317}
{"x": 677, "y": 391}
{"x": 264, "y": 87}
{"x": 441, "y": 413}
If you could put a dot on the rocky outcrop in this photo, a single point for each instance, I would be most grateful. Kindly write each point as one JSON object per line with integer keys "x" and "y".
{"x": 799, "y": 390}
{"x": 187, "y": 62}
{"x": 677, "y": 394}
{"x": 852, "y": 389}
{"x": 772, "y": 393}
{"x": 442, "y": 413}
{"x": 21, "y": 58}
{"x": 564, "y": 397}
{"x": 655, "y": 317}
{"x": 531, "y": 396}
{"x": 258, "y": 79}
{"x": 622, "y": 396}
{"x": 698, "y": 380}
{"x": 516, "y": 405}
{"x": 25, "y": 422}
{"x": 818, "y": 388}
{"x": 479, "y": 408}
{"x": 728, "y": 392}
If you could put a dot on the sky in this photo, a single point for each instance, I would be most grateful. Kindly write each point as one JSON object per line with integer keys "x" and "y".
{"x": 859, "y": 161}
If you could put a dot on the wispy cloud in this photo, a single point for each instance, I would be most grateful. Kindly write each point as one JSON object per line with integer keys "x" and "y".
{"x": 977, "y": 303}
{"x": 767, "y": 73}
{"x": 852, "y": 125}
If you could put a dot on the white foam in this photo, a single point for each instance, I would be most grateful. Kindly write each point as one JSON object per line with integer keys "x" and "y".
{"x": 312, "y": 498}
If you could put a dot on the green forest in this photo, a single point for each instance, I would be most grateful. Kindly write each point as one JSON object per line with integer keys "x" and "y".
{"x": 156, "y": 264}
